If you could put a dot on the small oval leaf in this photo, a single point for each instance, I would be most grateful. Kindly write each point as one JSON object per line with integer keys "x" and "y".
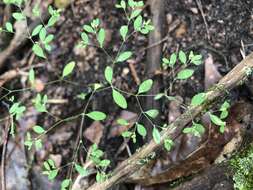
{"x": 185, "y": 74}
{"x": 119, "y": 99}
{"x": 156, "y": 135}
{"x": 108, "y": 74}
{"x": 68, "y": 69}
{"x": 145, "y": 86}
{"x": 198, "y": 99}
{"x": 96, "y": 115}
{"x": 38, "y": 129}
{"x": 101, "y": 37}
{"x": 124, "y": 56}
{"x": 141, "y": 129}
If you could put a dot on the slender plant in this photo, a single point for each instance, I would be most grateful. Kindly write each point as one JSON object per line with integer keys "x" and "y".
{"x": 135, "y": 24}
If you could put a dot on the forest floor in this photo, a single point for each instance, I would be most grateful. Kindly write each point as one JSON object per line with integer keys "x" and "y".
{"x": 220, "y": 30}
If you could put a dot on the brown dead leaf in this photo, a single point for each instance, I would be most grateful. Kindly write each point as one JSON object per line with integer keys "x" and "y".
{"x": 117, "y": 129}
{"x": 39, "y": 85}
{"x": 212, "y": 74}
{"x": 94, "y": 132}
{"x": 181, "y": 30}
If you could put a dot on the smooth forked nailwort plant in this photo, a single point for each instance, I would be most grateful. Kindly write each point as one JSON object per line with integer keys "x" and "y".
{"x": 135, "y": 24}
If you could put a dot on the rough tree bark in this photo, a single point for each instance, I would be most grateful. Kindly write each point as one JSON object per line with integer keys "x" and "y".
{"x": 235, "y": 77}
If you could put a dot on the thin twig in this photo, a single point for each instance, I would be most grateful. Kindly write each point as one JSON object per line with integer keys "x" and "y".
{"x": 204, "y": 18}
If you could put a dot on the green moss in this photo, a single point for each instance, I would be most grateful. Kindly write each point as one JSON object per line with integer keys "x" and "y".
{"x": 242, "y": 166}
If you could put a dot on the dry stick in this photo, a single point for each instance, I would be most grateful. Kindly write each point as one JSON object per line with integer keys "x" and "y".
{"x": 204, "y": 18}
{"x": 154, "y": 58}
{"x": 235, "y": 77}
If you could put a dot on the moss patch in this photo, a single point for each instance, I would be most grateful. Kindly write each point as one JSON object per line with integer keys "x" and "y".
{"x": 242, "y": 165}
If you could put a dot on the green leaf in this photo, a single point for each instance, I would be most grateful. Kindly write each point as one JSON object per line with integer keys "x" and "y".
{"x": 168, "y": 143}
{"x": 124, "y": 31}
{"x": 37, "y": 29}
{"x": 49, "y": 38}
{"x": 14, "y": 107}
{"x": 96, "y": 115}
{"x": 188, "y": 130}
{"x": 153, "y": 113}
{"x": 52, "y": 20}
{"x": 141, "y": 129}
{"x": 196, "y": 130}
{"x": 104, "y": 163}
{"x": 65, "y": 184}
{"x": 48, "y": 47}
{"x": 166, "y": 61}
{"x": 52, "y": 174}
{"x": 40, "y": 104}
{"x": 36, "y": 10}
{"x": 85, "y": 38}
{"x": 145, "y": 86}
{"x": 156, "y": 135}
{"x": 159, "y": 96}
{"x": 95, "y": 23}
{"x": 185, "y": 74}
{"x": 122, "y": 122}
{"x": 68, "y": 69}
{"x": 222, "y": 129}
{"x": 198, "y": 99}
{"x": 224, "y": 114}
{"x": 82, "y": 96}
{"x": 108, "y": 74}
{"x": 173, "y": 59}
{"x": 38, "y": 144}
{"x": 196, "y": 59}
{"x": 124, "y": 56}
{"x": 18, "y": 16}
{"x": 135, "y": 13}
{"x": 182, "y": 57}
{"x": 31, "y": 76}
{"x": 123, "y": 4}
{"x": 28, "y": 144}
{"x": 9, "y": 27}
{"x": 38, "y": 50}
{"x": 126, "y": 134}
{"x": 216, "y": 120}
{"x": 100, "y": 177}
{"x": 38, "y": 129}
{"x": 83, "y": 172}
{"x": 101, "y": 37}
{"x": 43, "y": 34}
{"x": 198, "y": 127}
{"x": 119, "y": 99}
{"x": 88, "y": 29}
{"x": 224, "y": 106}
{"x": 97, "y": 86}
{"x": 138, "y": 23}
{"x": 131, "y": 3}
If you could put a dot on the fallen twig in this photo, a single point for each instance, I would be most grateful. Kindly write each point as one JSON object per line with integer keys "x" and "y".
{"x": 204, "y": 18}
